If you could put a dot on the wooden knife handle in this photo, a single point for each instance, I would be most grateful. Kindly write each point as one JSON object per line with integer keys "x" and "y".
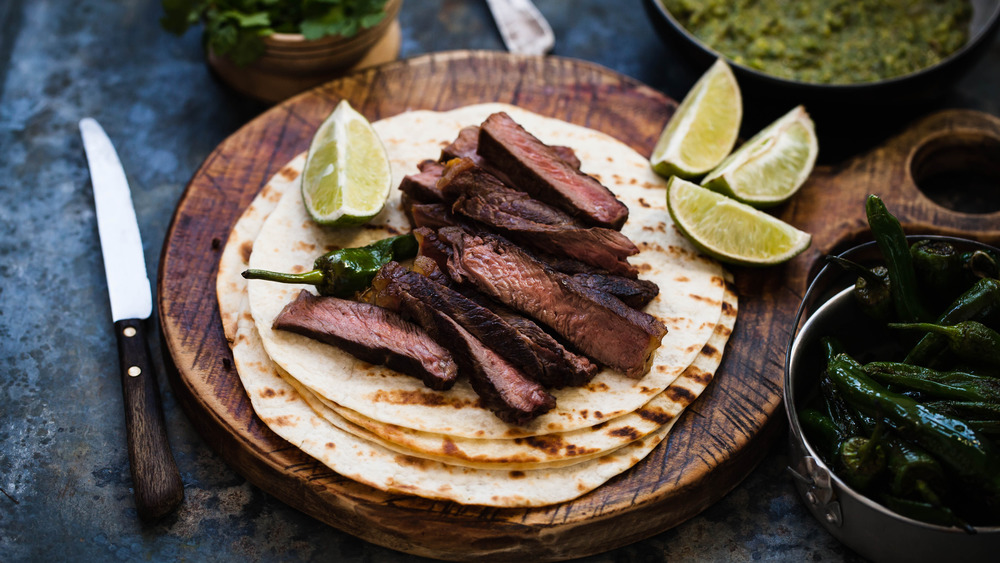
{"x": 157, "y": 483}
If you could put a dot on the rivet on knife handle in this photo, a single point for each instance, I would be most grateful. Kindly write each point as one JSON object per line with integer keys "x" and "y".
{"x": 155, "y": 478}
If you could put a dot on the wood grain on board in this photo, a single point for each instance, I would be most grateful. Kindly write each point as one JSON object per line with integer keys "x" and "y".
{"x": 717, "y": 442}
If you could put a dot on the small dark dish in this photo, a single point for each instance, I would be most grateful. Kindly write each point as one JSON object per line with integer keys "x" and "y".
{"x": 914, "y": 88}
{"x": 829, "y": 309}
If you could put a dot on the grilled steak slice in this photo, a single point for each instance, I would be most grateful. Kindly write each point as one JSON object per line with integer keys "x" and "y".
{"x": 534, "y": 167}
{"x": 422, "y": 187}
{"x": 482, "y": 198}
{"x": 432, "y": 215}
{"x": 464, "y": 146}
{"x": 635, "y": 293}
{"x": 468, "y": 141}
{"x": 445, "y": 314}
{"x": 372, "y": 334}
{"x": 598, "y": 324}
{"x": 562, "y": 367}
{"x": 463, "y": 178}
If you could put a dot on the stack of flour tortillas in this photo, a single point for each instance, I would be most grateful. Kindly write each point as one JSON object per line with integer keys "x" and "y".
{"x": 388, "y": 430}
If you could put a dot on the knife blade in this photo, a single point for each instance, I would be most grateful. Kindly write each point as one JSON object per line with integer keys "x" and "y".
{"x": 523, "y": 28}
{"x": 155, "y": 478}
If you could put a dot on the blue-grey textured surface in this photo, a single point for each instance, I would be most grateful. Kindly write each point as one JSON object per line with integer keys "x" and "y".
{"x": 64, "y": 479}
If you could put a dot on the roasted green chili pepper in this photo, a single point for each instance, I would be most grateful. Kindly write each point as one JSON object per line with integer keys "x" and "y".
{"x": 344, "y": 272}
{"x": 935, "y": 384}
{"x": 966, "y": 410}
{"x": 981, "y": 264}
{"x": 970, "y": 340}
{"x": 895, "y": 249}
{"x": 938, "y": 268}
{"x": 871, "y": 289}
{"x": 912, "y": 468}
{"x": 821, "y": 430}
{"x": 861, "y": 461}
{"x": 969, "y": 454}
{"x": 980, "y": 302}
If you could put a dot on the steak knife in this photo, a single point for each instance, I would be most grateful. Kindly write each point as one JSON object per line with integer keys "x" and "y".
{"x": 522, "y": 27}
{"x": 155, "y": 479}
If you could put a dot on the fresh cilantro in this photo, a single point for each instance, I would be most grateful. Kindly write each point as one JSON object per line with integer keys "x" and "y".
{"x": 233, "y": 28}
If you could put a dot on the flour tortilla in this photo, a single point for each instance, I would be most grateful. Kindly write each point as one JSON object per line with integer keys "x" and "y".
{"x": 690, "y": 300}
{"x": 230, "y": 287}
{"x": 284, "y": 410}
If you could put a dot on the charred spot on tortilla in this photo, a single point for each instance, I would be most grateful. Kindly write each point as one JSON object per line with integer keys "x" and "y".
{"x": 656, "y": 415}
{"x": 728, "y": 309}
{"x": 680, "y": 394}
{"x": 411, "y": 460}
{"x": 699, "y": 375}
{"x": 449, "y": 446}
{"x": 289, "y": 173}
{"x": 245, "y": 250}
{"x": 626, "y": 432}
{"x": 282, "y": 420}
{"x": 549, "y": 443}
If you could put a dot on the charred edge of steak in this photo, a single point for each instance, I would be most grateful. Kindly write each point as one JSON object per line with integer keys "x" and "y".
{"x": 429, "y": 268}
{"x": 503, "y": 388}
{"x": 561, "y": 367}
{"x": 422, "y": 187}
{"x": 635, "y": 293}
{"x": 467, "y": 142}
{"x": 534, "y": 167}
{"x": 598, "y": 324}
{"x": 372, "y": 334}
{"x": 430, "y": 245}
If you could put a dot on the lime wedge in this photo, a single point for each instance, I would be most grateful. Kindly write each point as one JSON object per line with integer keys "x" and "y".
{"x": 704, "y": 129}
{"x": 770, "y": 167}
{"x": 347, "y": 175}
{"x": 731, "y": 231}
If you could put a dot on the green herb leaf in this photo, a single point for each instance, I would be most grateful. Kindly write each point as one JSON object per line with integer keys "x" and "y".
{"x": 233, "y": 28}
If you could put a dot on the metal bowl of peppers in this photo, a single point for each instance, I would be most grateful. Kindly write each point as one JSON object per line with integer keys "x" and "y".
{"x": 892, "y": 390}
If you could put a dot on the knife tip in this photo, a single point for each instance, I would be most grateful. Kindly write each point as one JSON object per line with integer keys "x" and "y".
{"x": 87, "y": 122}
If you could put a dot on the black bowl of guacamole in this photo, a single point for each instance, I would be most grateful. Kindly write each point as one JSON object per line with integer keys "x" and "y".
{"x": 833, "y": 55}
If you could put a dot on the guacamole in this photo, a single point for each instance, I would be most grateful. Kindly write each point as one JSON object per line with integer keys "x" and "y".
{"x": 829, "y": 41}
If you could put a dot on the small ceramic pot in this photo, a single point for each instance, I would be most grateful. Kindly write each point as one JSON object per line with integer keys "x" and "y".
{"x": 291, "y": 64}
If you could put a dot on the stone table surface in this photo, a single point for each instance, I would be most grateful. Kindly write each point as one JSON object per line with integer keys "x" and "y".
{"x": 65, "y": 488}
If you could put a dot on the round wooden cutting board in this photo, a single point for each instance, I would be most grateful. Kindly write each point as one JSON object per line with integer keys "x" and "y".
{"x": 716, "y": 443}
